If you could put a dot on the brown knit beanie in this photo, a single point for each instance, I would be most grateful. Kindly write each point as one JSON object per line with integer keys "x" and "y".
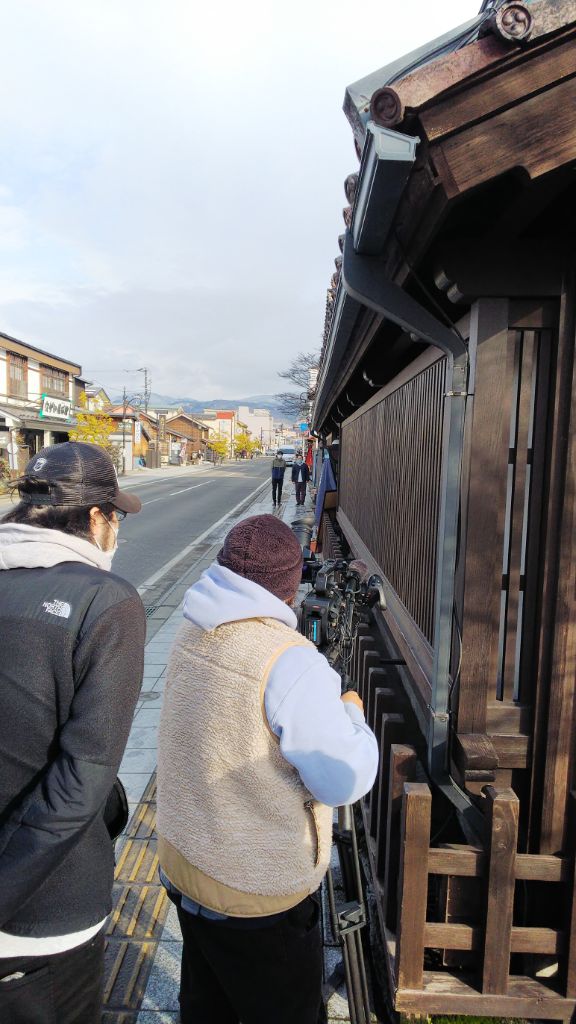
{"x": 263, "y": 549}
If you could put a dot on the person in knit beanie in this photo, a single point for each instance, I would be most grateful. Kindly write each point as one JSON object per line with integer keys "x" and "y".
{"x": 256, "y": 747}
{"x": 264, "y": 549}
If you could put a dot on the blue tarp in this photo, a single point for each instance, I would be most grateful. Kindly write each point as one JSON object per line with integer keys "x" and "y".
{"x": 327, "y": 483}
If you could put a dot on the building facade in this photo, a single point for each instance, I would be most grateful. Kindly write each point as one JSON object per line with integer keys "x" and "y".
{"x": 38, "y": 395}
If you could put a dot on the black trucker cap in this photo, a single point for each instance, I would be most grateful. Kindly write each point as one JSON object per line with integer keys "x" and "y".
{"x": 75, "y": 473}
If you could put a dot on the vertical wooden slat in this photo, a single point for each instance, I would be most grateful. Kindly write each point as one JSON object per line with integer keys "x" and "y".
{"x": 392, "y": 730}
{"x": 413, "y": 884}
{"x": 401, "y": 429}
{"x": 568, "y": 962}
{"x": 502, "y": 813}
{"x": 385, "y": 702}
{"x": 556, "y": 738}
{"x": 372, "y": 675}
{"x": 515, "y": 392}
{"x": 402, "y": 769}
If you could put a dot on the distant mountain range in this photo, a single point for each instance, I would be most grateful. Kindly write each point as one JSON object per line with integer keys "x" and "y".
{"x": 192, "y": 405}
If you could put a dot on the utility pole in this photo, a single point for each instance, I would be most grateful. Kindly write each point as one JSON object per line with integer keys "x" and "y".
{"x": 147, "y": 393}
{"x": 124, "y": 411}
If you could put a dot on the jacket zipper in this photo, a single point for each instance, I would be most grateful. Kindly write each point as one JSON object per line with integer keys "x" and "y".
{"x": 309, "y": 806}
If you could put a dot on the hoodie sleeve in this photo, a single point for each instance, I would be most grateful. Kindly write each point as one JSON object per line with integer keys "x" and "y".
{"x": 327, "y": 741}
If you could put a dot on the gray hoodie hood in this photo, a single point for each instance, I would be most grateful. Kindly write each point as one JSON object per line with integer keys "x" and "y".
{"x": 221, "y": 596}
{"x": 33, "y": 547}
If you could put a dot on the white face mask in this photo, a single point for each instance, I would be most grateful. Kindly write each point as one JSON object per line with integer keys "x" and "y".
{"x": 111, "y": 551}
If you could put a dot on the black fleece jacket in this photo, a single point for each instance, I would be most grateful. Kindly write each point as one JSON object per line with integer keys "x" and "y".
{"x": 71, "y": 664}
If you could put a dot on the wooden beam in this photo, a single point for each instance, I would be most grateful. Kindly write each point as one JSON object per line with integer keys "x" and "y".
{"x": 500, "y": 267}
{"x": 467, "y": 937}
{"x": 486, "y": 509}
{"x": 503, "y": 810}
{"x": 403, "y": 761}
{"x": 535, "y": 135}
{"x": 412, "y": 884}
{"x": 443, "y": 992}
{"x": 506, "y": 89}
{"x": 554, "y": 736}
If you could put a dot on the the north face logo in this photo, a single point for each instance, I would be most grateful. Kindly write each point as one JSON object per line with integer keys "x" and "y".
{"x": 61, "y": 608}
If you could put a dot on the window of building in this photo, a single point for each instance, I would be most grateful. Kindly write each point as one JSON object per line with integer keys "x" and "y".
{"x": 17, "y": 375}
{"x": 53, "y": 382}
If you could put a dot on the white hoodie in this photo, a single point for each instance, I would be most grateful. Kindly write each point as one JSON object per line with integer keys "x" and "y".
{"x": 317, "y": 731}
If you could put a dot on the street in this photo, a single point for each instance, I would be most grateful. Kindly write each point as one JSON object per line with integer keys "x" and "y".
{"x": 178, "y": 510}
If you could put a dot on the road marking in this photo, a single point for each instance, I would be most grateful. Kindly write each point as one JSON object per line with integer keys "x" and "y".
{"x": 192, "y": 488}
{"x": 185, "y": 551}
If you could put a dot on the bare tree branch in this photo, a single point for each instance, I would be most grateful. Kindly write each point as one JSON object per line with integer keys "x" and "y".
{"x": 291, "y": 404}
{"x": 299, "y": 370}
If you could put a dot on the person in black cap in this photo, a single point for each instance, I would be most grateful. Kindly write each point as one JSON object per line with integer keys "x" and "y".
{"x": 72, "y": 639}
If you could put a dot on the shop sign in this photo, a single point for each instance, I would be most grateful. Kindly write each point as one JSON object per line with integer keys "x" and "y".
{"x": 137, "y": 432}
{"x": 55, "y": 408}
{"x": 161, "y": 428}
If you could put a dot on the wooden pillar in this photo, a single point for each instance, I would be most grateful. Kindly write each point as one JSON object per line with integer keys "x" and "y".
{"x": 502, "y": 813}
{"x": 554, "y": 726}
{"x": 402, "y": 769}
{"x": 568, "y": 962}
{"x": 487, "y": 476}
{"x": 413, "y": 884}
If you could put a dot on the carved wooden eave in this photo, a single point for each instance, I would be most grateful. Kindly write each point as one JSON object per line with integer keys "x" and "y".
{"x": 494, "y": 112}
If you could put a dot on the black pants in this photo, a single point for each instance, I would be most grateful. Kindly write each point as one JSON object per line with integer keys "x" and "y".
{"x": 277, "y": 490}
{"x": 64, "y": 988}
{"x": 300, "y": 492}
{"x": 233, "y": 973}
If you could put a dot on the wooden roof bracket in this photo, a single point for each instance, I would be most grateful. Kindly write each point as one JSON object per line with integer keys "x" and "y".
{"x": 363, "y": 279}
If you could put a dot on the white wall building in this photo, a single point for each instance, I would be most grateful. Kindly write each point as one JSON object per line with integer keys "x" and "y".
{"x": 260, "y": 423}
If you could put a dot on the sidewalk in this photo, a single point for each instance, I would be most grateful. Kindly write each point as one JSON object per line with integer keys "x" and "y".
{"x": 144, "y": 948}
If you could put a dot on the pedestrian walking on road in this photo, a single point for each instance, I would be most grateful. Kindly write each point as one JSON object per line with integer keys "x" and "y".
{"x": 300, "y": 477}
{"x": 72, "y": 638}
{"x": 256, "y": 746}
{"x": 278, "y": 470}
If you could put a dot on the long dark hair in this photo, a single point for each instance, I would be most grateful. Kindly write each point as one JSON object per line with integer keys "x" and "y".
{"x": 74, "y": 519}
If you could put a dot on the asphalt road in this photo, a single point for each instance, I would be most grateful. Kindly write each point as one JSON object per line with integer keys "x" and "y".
{"x": 176, "y": 511}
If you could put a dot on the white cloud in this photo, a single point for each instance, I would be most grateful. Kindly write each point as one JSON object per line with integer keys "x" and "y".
{"x": 172, "y": 176}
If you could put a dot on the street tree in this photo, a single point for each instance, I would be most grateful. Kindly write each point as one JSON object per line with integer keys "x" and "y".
{"x": 220, "y": 446}
{"x": 243, "y": 442}
{"x": 92, "y": 426}
{"x": 302, "y": 371}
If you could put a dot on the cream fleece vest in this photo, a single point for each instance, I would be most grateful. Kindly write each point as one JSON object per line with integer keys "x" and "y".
{"x": 238, "y": 830}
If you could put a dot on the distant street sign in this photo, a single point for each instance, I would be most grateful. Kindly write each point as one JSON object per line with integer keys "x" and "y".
{"x": 304, "y": 428}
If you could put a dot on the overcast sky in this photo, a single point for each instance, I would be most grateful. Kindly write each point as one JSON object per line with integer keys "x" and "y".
{"x": 171, "y": 178}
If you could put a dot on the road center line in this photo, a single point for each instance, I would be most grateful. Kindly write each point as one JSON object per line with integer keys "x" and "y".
{"x": 192, "y": 488}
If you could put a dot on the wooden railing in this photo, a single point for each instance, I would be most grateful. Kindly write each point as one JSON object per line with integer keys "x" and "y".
{"x": 475, "y": 925}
